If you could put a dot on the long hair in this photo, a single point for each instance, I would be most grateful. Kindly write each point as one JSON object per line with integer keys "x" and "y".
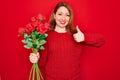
{"x": 70, "y": 27}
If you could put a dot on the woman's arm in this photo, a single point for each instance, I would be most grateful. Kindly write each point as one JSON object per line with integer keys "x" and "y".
{"x": 95, "y": 40}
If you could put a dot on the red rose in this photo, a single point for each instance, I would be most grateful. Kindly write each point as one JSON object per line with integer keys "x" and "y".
{"x": 33, "y": 19}
{"x": 40, "y": 17}
{"x": 41, "y": 28}
{"x": 47, "y": 25}
{"x": 29, "y": 28}
{"x": 36, "y": 23}
{"x": 21, "y": 30}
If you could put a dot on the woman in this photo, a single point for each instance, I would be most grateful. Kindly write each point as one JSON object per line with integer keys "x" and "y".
{"x": 60, "y": 59}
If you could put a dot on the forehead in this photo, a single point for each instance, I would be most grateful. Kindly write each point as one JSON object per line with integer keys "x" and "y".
{"x": 63, "y": 9}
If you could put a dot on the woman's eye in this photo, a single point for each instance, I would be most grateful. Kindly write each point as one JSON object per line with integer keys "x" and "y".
{"x": 59, "y": 14}
{"x": 68, "y": 15}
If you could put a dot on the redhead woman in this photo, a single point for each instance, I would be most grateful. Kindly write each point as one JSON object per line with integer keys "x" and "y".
{"x": 61, "y": 58}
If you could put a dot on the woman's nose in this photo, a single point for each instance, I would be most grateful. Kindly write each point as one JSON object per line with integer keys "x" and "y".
{"x": 63, "y": 18}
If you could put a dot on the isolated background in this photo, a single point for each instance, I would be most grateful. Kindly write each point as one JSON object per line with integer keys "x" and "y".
{"x": 96, "y": 16}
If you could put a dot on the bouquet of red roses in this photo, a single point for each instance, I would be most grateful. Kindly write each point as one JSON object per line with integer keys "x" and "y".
{"x": 35, "y": 34}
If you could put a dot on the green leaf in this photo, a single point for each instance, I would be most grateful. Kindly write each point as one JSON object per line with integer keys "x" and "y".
{"x": 41, "y": 48}
{"x": 25, "y": 46}
{"x": 38, "y": 46}
{"x": 30, "y": 44}
{"x": 34, "y": 45}
{"x": 43, "y": 36}
{"x": 36, "y": 32}
{"x": 24, "y": 41}
{"x": 33, "y": 35}
{"x": 27, "y": 40}
{"x": 46, "y": 35}
{"x": 37, "y": 36}
{"x": 41, "y": 42}
{"x": 25, "y": 35}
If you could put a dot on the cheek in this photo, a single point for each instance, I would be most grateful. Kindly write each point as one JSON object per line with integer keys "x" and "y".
{"x": 58, "y": 17}
{"x": 57, "y": 20}
{"x": 67, "y": 19}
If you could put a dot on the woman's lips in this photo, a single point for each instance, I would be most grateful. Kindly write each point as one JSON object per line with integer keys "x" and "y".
{"x": 62, "y": 22}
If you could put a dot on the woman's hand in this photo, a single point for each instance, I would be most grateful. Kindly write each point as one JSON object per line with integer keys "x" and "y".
{"x": 79, "y": 36}
{"x": 34, "y": 57}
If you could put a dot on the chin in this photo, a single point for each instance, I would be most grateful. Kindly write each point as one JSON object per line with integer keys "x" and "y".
{"x": 62, "y": 26}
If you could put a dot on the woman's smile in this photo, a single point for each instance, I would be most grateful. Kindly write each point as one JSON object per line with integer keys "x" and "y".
{"x": 62, "y": 22}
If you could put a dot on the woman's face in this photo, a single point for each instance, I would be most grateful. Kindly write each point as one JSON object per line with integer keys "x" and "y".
{"x": 62, "y": 17}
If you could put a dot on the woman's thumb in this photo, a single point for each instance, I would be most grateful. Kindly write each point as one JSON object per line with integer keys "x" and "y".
{"x": 77, "y": 28}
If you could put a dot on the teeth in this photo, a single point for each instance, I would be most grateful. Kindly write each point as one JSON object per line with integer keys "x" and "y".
{"x": 62, "y": 22}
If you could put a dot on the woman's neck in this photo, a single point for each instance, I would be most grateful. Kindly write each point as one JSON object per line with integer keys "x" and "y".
{"x": 60, "y": 30}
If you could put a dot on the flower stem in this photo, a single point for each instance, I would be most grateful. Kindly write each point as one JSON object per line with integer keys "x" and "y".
{"x": 33, "y": 75}
{"x": 35, "y": 71}
{"x": 35, "y": 50}
{"x": 30, "y": 73}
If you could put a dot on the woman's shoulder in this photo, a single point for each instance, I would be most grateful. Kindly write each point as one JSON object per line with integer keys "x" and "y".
{"x": 50, "y": 32}
{"x": 50, "y": 35}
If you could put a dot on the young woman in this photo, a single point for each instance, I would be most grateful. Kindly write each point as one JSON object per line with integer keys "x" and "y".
{"x": 61, "y": 58}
